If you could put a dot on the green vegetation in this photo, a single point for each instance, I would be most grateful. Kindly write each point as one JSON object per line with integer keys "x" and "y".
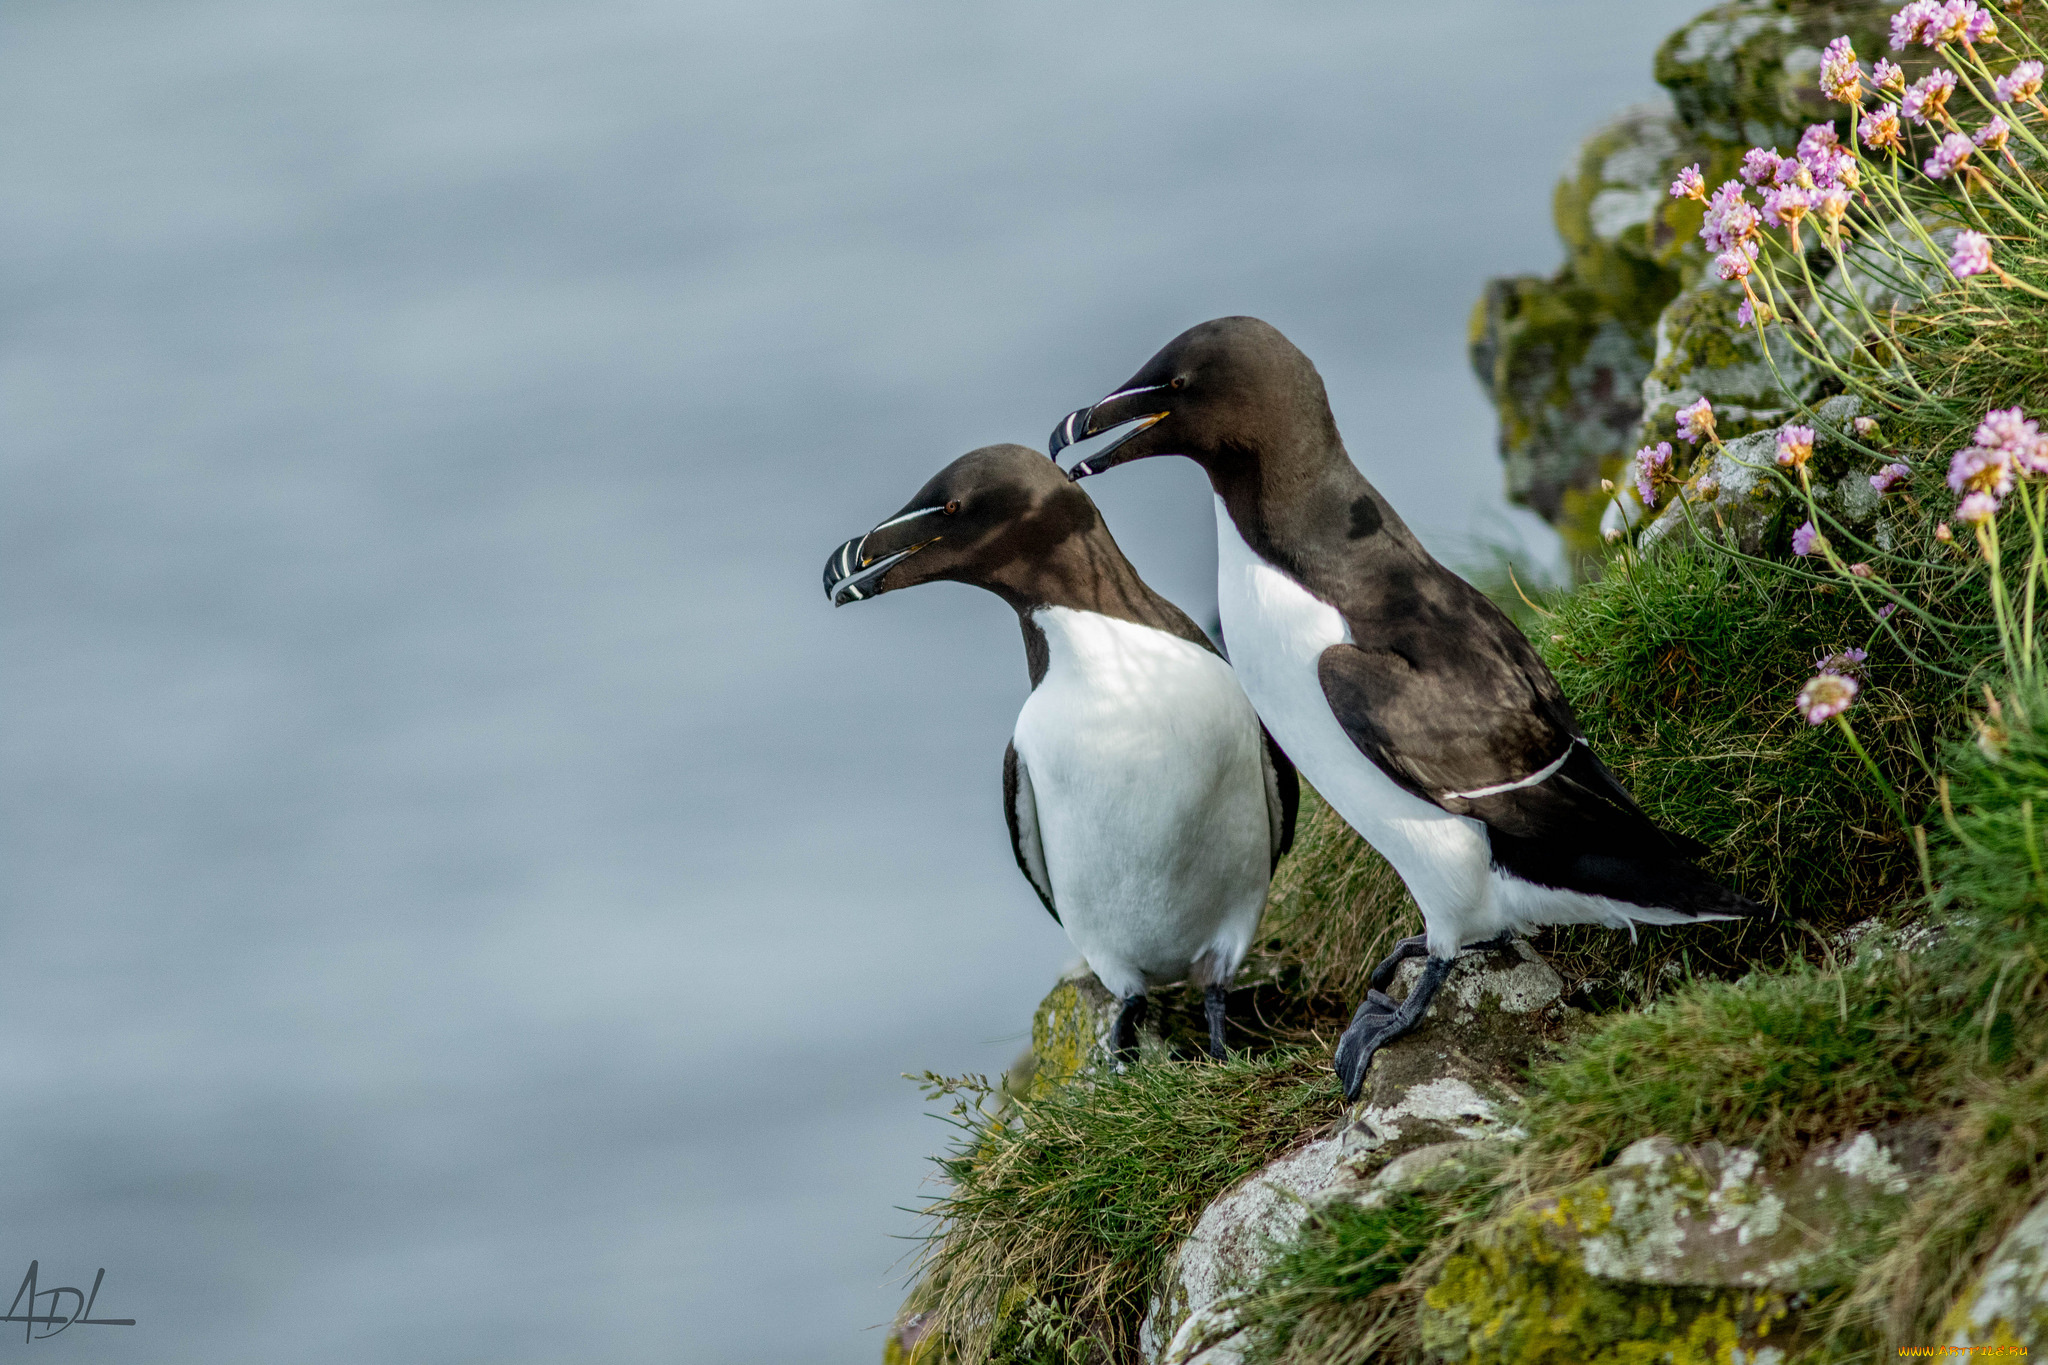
{"x": 1060, "y": 1217}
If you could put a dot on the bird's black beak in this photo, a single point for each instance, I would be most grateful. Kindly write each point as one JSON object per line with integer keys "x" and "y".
{"x": 855, "y": 570}
{"x": 1101, "y": 433}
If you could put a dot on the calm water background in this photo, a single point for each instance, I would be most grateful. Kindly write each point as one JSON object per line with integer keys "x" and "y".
{"x": 466, "y": 897}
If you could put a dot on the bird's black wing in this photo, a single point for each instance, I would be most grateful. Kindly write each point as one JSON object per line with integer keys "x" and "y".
{"x": 1020, "y": 808}
{"x": 1445, "y": 694}
{"x": 1283, "y": 795}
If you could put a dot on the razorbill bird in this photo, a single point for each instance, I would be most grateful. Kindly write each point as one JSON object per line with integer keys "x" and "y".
{"x": 1415, "y": 706}
{"x": 1147, "y": 807}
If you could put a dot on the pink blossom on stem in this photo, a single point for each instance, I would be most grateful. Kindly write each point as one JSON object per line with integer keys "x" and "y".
{"x": 1825, "y": 696}
{"x": 2009, "y": 430}
{"x": 1816, "y": 142}
{"x": 1993, "y": 135}
{"x": 1690, "y": 184}
{"x": 1841, "y": 79}
{"x": 1885, "y": 478}
{"x": 1785, "y": 207}
{"x": 1804, "y": 539}
{"x": 1880, "y": 127}
{"x": 1736, "y": 262}
{"x": 2021, "y": 83}
{"x": 1760, "y": 165}
{"x": 1845, "y": 663}
{"x": 1981, "y": 469}
{"x": 1948, "y": 157}
{"x": 1696, "y": 421}
{"x": 1795, "y": 446}
{"x": 1927, "y": 96}
{"x": 1886, "y": 76}
{"x": 1911, "y": 23}
{"x": 1865, "y": 427}
{"x": 1971, "y": 256}
{"x": 1976, "y": 507}
{"x": 1650, "y": 465}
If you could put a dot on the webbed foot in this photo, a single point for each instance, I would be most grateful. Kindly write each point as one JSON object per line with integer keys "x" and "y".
{"x": 1379, "y": 1021}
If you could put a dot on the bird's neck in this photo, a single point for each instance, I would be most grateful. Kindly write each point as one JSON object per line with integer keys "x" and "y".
{"x": 1303, "y": 506}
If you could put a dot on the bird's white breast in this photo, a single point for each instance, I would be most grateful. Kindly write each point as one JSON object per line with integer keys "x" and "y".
{"x": 1145, "y": 761}
{"x": 1276, "y": 631}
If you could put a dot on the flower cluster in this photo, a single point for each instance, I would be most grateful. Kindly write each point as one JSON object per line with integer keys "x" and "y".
{"x": 2009, "y": 447}
{"x": 1886, "y": 76}
{"x": 1805, "y": 540}
{"x": 1927, "y": 97}
{"x": 1690, "y": 184}
{"x": 1932, "y": 23}
{"x": 1884, "y": 479}
{"x": 1825, "y": 696}
{"x": 1651, "y": 462}
{"x": 1843, "y": 663}
{"x": 2020, "y": 84}
{"x": 1696, "y": 421}
{"x": 1971, "y": 256}
{"x": 1880, "y": 128}
{"x": 1949, "y": 156}
{"x": 1841, "y": 79}
{"x": 1795, "y": 446}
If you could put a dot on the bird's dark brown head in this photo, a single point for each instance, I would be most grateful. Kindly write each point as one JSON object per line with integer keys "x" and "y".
{"x": 1003, "y": 518}
{"x": 1223, "y": 393}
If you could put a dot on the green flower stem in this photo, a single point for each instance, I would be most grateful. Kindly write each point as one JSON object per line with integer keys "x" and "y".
{"x": 1890, "y": 796}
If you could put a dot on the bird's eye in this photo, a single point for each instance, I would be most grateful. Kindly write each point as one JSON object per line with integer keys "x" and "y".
{"x": 1180, "y": 381}
{"x": 952, "y": 507}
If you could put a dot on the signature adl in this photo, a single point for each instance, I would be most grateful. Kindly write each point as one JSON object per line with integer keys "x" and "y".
{"x": 62, "y": 1320}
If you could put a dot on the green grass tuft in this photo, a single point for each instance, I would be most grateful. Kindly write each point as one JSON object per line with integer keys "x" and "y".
{"x": 1074, "y": 1204}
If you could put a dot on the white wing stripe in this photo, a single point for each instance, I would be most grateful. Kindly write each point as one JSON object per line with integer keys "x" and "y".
{"x": 1541, "y": 774}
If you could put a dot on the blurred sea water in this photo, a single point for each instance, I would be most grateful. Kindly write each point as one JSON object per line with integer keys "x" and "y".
{"x": 465, "y": 895}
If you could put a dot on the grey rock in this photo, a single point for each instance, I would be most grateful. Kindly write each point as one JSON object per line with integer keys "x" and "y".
{"x": 2007, "y": 1304}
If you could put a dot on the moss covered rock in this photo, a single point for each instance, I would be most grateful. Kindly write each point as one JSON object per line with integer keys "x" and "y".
{"x": 2006, "y": 1307}
{"x": 1674, "y": 1254}
{"x": 1564, "y": 358}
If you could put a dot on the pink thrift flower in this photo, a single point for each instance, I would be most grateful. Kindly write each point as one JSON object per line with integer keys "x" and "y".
{"x": 1696, "y": 421}
{"x": 1825, "y": 696}
{"x": 1841, "y": 79}
{"x": 1880, "y": 127}
{"x": 1886, "y": 76}
{"x": 2010, "y": 431}
{"x": 1730, "y": 219}
{"x": 1650, "y": 464}
{"x": 1911, "y": 23}
{"x": 1736, "y": 262}
{"x": 1984, "y": 469}
{"x": 1927, "y": 96}
{"x": 1690, "y": 184}
{"x": 2021, "y": 83}
{"x": 1954, "y": 150}
{"x": 1846, "y": 663}
{"x": 1972, "y": 254}
{"x": 1818, "y": 140}
{"x": 1992, "y": 136}
{"x": 1977, "y": 507}
{"x": 1795, "y": 446}
{"x": 1744, "y": 314}
{"x": 1865, "y": 427}
{"x": 1785, "y": 207}
{"x": 1942, "y": 533}
{"x": 1834, "y": 206}
{"x": 1760, "y": 165}
{"x": 1884, "y": 612}
{"x": 1885, "y": 478}
{"x": 1804, "y": 539}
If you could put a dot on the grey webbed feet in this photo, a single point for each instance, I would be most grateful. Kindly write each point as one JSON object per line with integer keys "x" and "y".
{"x": 1383, "y": 975}
{"x": 1379, "y": 1021}
{"x": 1124, "y": 1038}
{"x": 1212, "y": 1002}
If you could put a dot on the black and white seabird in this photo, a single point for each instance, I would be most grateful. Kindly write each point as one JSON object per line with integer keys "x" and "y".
{"x": 1415, "y": 706}
{"x": 1146, "y": 805}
